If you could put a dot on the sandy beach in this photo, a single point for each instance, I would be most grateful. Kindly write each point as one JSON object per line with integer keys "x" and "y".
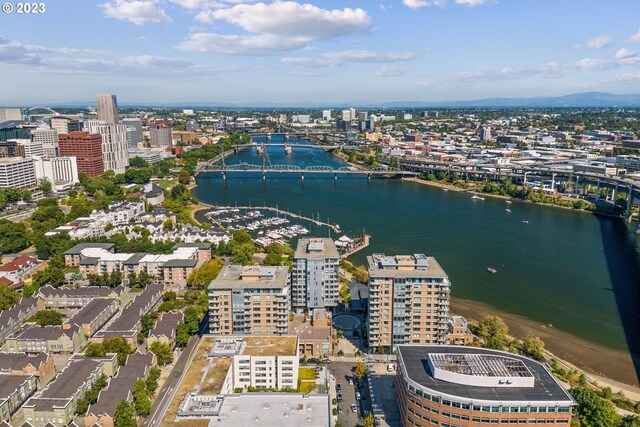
{"x": 590, "y": 357}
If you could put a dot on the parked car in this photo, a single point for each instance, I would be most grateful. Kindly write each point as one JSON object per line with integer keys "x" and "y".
{"x": 312, "y": 360}
{"x": 358, "y": 395}
{"x": 390, "y": 368}
{"x": 354, "y": 408}
{"x": 350, "y": 380}
{"x": 338, "y": 388}
{"x": 339, "y": 398}
{"x": 340, "y": 411}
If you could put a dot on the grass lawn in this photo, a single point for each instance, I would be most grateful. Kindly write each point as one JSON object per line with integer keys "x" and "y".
{"x": 307, "y": 374}
{"x": 307, "y": 386}
{"x": 165, "y": 184}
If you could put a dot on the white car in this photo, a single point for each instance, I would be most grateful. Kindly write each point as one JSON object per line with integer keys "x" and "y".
{"x": 354, "y": 408}
{"x": 358, "y": 395}
{"x": 390, "y": 368}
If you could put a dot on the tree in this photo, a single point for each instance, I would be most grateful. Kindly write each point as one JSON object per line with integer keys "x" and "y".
{"x": 47, "y": 318}
{"x": 345, "y": 294}
{"x": 202, "y": 276}
{"x": 361, "y": 370}
{"x": 630, "y": 421}
{"x": 162, "y": 351}
{"x": 141, "y": 400}
{"x": 8, "y": 297}
{"x": 594, "y": 411}
{"x": 534, "y": 347}
{"x": 191, "y": 319}
{"x": 493, "y": 331}
{"x": 13, "y": 237}
{"x": 124, "y": 415}
{"x": 152, "y": 380}
{"x": 182, "y": 334}
{"x": 45, "y": 185}
{"x": 167, "y": 225}
{"x": 110, "y": 345}
{"x": 368, "y": 421}
{"x": 138, "y": 162}
{"x": 184, "y": 178}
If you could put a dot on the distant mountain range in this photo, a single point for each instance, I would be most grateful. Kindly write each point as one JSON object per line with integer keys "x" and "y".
{"x": 584, "y": 99}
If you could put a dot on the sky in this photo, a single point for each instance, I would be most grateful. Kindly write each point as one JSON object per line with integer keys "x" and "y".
{"x": 317, "y": 51}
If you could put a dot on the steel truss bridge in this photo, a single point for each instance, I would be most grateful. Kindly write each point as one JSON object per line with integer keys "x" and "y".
{"x": 268, "y": 168}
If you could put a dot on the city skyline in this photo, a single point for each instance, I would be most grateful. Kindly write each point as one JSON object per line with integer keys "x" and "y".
{"x": 234, "y": 51}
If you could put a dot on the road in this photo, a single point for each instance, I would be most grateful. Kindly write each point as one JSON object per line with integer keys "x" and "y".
{"x": 170, "y": 386}
{"x": 341, "y": 371}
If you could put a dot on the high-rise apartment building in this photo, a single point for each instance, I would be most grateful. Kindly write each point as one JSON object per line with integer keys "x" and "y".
{"x": 362, "y": 116}
{"x": 16, "y": 172}
{"x": 408, "y": 300}
{"x": 61, "y": 172}
{"x": 9, "y": 114}
{"x": 11, "y": 149}
{"x": 134, "y": 131}
{"x": 114, "y": 145}
{"x": 314, "y": 282}
{"x": 160, "y": 136}
{"x": 86, "y": 148}
{"x": 107, "y": 107}
{"x": 485, "y": 133}
{"x": 66, "y": 124}
{"x": 326, "y": 115}
{"x": 49, "y": 140}
{"x": 251, "y": 300}
{"x": 346, "y": 115}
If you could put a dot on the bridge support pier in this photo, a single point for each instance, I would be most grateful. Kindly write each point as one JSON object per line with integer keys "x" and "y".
{"x": 627, "y": 214}
{"x": 615, "y": 194}
{"x": 224, "y": 176}
{"x": 598, "y": 191}
{"x": 525, "y": 178}
{"x": 577, "y": 185}
{"x": 553, "y": 181}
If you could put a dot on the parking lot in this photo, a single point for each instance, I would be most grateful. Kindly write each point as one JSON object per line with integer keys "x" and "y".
{"x": 341, "y": 372}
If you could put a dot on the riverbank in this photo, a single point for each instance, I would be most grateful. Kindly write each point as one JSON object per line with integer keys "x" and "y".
{"x": 603, "y": 362}
{"x": 496, "y": 196}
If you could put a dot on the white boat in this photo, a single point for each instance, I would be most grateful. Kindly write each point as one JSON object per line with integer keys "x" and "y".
{"x": 525, "y": 222}
{"x": 492, "y": 270}
{"x": 445, "y": 189}
{"x": 508, "y": 202}
{"x": 507, "y": 210}
{"x": 476, "y": 197}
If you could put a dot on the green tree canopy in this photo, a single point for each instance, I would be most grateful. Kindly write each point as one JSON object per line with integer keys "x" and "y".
{"x": 124, "y": 415}
{"x": 8, "y": 297}
{"x": 47, "y": 318}
{"x": 13, "y": 237}
{"x": 162, "y": 351}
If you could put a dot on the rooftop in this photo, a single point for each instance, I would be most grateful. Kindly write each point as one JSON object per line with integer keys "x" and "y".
{"x": 472, "y": 368}
{"x": 316, "y": 248}
{"x": 271, "y": 346}
{"x": 416, "y": 265}
{"x": 89, "y": 312}
{"x": 10, "y": 383}
{"x": 19, "y": 361}
{"x": 235, "y": 276}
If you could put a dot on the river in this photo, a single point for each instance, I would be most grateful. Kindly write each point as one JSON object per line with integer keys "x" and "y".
{"x": 558, "y": 269}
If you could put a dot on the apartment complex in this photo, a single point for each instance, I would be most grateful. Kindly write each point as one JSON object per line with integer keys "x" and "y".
{"x": 16, "y": 172}
{"x": 70, "y": 298}
{"x": 59, "y": 339}
{"x": 160, "y": 136}
{"x": 251, "y": 300}
{"x": 14, "y": 391}
{"x": 94, "y": 315}
{"x": 86, "y": 148}
{"x": 57, "y": 402}
{"x": 467, "y": 386}
{"x": 120, "y": 388}
{"x": 314, "y": 333}
{"x": 164, "y": 330}
{"x": 40, "y": 364}
{"x": 11, "y": 320}
{"x": 63, "y": 124}
{"x": 408, "y": 300}
{"x": 314, "y": 282}
{"x": 269, "y": 362}
{"x": 114, "y": 145}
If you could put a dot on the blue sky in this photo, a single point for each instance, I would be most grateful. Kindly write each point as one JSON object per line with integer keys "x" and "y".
{"x": 329, "y": 51}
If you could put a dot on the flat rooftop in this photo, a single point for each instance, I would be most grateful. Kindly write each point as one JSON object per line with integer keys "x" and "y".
{"x": 235, "y": 276}
{"x": 316, "y": 247}
{"x": 416, "y": 359}
{"x": 273, "y": 409}
{"x": 416, "y": 265}
{"x": 271, "y": 346}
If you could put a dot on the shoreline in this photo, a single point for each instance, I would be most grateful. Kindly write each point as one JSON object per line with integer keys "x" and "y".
{"x": 495, "y": 196}
{"x": 599, "y": 361}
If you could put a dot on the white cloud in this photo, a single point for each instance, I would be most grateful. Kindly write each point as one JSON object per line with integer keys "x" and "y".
{"x": 624, "y": 53}
{"x": 139, "y": 12}
{"x": 333, "y": 59}
{"x": 627, "y": 78}
{"x": 416, "y": 4}
{"x": 391, "y": 71}
{"x": 472, "y": 2}
{"x": 276, "y": 27}
{"x": 596, "y": 43}
{"x": 635, "y": 37}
